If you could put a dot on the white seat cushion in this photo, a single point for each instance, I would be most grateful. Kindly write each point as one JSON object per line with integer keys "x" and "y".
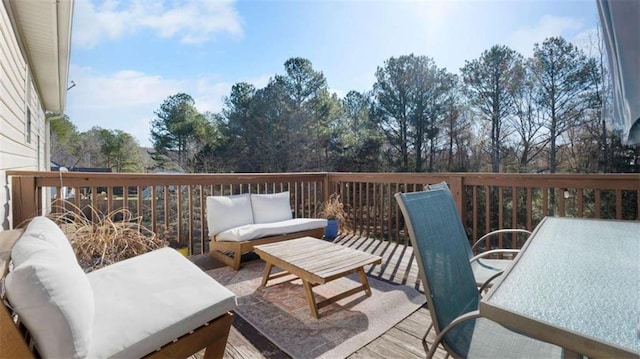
{"x": 268, "y": 208}
{"x": 259, "y": 230}
{"x": 224, "y": 212}
{"x": 50, "y": 292}
{"x": 145, "y": 302}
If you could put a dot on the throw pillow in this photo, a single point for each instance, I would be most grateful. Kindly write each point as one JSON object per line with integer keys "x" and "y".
{"x": 226, "y": 212}
{"x": 268, "y": 208}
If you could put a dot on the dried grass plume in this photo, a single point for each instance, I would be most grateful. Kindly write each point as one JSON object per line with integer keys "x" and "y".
{"x": 334, "y": 209}
{"x": 114, "y": 236}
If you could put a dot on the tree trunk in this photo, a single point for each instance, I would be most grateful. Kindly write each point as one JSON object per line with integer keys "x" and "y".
{"x": 495, "y": 149}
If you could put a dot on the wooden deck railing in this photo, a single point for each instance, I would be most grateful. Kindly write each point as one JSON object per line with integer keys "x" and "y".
{"x": 488, "y": 201}
{"x": 174, "y": 204}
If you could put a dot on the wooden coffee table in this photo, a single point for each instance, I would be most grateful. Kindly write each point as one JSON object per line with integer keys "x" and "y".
{"x": 316, "y": 262}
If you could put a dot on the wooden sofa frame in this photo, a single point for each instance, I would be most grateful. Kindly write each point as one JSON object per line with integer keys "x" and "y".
{"x": 230, "y": 253}
{"x": 15, "y": 341}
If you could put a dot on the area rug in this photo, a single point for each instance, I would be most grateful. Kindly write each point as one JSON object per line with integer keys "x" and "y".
{"x": 281, "y": 312}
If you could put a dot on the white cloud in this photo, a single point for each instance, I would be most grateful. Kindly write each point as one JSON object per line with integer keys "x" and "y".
{"x": 191, "y": 21}
{"x": 588, "y": 41}
{"x": 123, "y": 100}
{"x": 522, "y": 40}
{"x": 259, "y": 81}
{"x": 123, "y": 88}
{"x": 126, "y": 100}
{"x": 210, "y": 93}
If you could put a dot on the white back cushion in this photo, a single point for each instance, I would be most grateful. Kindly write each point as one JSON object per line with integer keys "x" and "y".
{"x": 269, "y": 208}
{"x": 51, "y": 294}
{"x": 225, "y": 212}
{"x": 41, "y": 231}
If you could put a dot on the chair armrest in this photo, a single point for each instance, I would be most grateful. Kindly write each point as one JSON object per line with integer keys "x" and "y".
{"x": 493, "y": 251}
{"x": 499, "y": 231}
{"x": 463, "y": 318}
{"x": 488, "y": 253}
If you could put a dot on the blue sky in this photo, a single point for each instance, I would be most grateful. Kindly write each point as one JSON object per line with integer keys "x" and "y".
{"x": 128, "y": 56}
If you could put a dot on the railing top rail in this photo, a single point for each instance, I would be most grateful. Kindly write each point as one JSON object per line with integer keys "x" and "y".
{"x": 624, "y": 181}
{"x": 612, "y": 181}
{"x": 100, "y": 179}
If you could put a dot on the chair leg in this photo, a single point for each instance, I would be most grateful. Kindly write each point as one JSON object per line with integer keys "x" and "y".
{"x": 237, "y": 256}
{"x": 216, "y": 349}
{"x": 213, "y": 337}
{"x": 424, "y": 338}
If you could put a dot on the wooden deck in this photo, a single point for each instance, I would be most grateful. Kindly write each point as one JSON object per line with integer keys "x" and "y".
{"x": 404, "y": 340}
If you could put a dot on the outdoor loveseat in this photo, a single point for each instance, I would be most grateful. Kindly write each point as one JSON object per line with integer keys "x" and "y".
{"x": 157, "y": 304}
{"x": 237, "y": 223}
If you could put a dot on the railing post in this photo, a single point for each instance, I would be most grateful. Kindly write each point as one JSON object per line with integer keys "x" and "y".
{"x": 457, "y": 189}
{"x": 24, "y": 199}
{"x": 325, "y": 188}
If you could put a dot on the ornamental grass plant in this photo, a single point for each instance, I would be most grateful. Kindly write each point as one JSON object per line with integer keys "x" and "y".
{"x": 113, "y": 237}
{"x": 333, "y": 209}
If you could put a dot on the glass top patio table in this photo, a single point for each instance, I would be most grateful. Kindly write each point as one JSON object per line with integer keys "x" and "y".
{"x": 575, "y": 283}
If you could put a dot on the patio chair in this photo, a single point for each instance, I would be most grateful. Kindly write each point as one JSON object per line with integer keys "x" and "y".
{"x": 157, "y": 305}
{"x": 441, "y": 251}
{"x": 485, "y": 270}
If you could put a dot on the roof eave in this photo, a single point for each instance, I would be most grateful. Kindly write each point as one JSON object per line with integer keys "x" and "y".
{"x": 43, "y": 28}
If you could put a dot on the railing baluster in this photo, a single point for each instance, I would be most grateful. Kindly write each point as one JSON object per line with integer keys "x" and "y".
{"x": 190, "y": 212}
{"x": 359, "y": 208}
{"x": 77, "y": 196}
{"x": 580, "y": 202}
{"x": 637, "y": 204}
{"x": 203, "y": 218}
{"x": 179, "y": 233}
{"x": 389, "y": 198}
{"x": 140, "y": 204}
{"x": 500, "y": 216}
{"x": 545, "y": 201}
{"x": 368, "y": 208}
{"x": 618, "y": 204}
{"x": 166, "y": 209}
{"x": 125, "y": 197}
{"x": 474, "y": 207}
{"x": 94, "y": 203}
{"x": 514, "y": 215}
{"x": 154, "y": 212}
{"x": 397, "y": 219}
{"x": 109, "y": 200}
{"x": 487, "y": 214}
{"x": 529, "y": 208}
{"x": 374, "y": 209}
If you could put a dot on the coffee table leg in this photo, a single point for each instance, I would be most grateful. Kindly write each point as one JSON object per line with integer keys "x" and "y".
{"x": 364, "y": 281}
{"x": 267, "y": 273}
{"x": 308, "y": 289}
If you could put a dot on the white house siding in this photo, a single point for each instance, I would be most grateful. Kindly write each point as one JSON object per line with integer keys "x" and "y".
{"x": 17, "y": 94}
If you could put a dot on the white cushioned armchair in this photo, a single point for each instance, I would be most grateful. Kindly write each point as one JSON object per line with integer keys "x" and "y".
{"x": 156, "y": 304}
